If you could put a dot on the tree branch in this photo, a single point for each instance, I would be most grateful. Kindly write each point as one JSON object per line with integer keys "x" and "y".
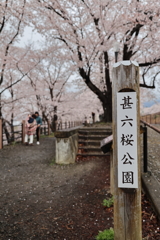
{"x": 9, "y": 44}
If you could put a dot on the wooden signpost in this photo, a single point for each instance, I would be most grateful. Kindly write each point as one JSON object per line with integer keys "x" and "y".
{"x": 126, "y": 151}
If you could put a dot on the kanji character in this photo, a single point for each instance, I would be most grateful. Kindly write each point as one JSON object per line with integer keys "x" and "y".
{"x": 127, "y": 103}
{"x": 127, "y": 159}
{"x": 127, "y": 139}
{"x": 127, "y": 120}
{"x": 127, "y": 177}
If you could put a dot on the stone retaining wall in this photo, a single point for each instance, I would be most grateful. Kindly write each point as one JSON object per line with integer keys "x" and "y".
{"x": 66, "y": 146}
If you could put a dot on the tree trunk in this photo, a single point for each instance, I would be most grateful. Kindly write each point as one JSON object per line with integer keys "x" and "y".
{"x": 6, "y": 132}
{"x": 107, "y": 107}
{"x": 54, "y": 123}
{"x": 104, "y": 96}
{"x": 12, "y": 129}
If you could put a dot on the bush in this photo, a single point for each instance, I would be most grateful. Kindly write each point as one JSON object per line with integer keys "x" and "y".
{"x": 107, "y": 234}
{"x": 108, "y": 203}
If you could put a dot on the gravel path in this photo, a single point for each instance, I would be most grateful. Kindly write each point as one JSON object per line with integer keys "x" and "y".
{"x": 40, "y": 200}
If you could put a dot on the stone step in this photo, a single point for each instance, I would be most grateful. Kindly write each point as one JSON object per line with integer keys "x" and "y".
{"x": 103, "y": 133}
{"x": 89, "y": 142}
{"x": 91, "y": 137}
{"x": 90, "y": 149}
{"x": 94, "y": 154}
{"x": 95, "y": 129}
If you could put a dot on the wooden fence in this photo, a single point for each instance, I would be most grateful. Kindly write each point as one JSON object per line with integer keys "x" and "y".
{"x": 151, "y": 118}
{"x": 19, "y": 131}
{"x": 66, "y": 125}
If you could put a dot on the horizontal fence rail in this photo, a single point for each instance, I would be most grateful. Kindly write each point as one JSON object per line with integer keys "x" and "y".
{"x": 14, "y": 136}
{"x": 151, "y": 126}
{"x": 152, "y": 118}
{"x": 66, "y": 125}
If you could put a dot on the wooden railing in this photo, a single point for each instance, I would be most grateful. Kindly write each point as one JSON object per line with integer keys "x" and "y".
{"x": 66, "y": 125}
{"x": 18, "y": 133}
{"x": 151, "y": 118}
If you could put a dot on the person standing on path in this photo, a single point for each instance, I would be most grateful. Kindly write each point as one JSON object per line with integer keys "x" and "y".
{"x": 39, "y": 123}
{"x": 30, "y": 129}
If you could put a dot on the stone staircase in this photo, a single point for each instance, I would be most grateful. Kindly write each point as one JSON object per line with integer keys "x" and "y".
{"x": 89, "y": 140}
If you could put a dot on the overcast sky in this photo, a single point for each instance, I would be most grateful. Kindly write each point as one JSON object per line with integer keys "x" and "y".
{"x": 30, "y": 36}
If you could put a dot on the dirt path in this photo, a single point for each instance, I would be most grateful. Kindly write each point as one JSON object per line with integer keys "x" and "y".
{"x": 42, "y": 200}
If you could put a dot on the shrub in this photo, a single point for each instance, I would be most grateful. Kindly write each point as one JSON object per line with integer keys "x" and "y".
{"x": 107, "y": 234}
{"x": 108, "y": 203}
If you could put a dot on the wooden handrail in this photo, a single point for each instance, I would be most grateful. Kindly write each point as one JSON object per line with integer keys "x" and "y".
{"x": 149, "y": 125}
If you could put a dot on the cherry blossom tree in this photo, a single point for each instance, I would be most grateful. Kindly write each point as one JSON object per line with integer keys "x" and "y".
{"x": 11, "y": 26}
{"x": 87, "y": 30}
{"x": 50, "y": 79}
{"x": 13, "y": 85}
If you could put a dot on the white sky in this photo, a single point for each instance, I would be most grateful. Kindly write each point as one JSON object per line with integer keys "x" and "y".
{"x": 31, "y": 36}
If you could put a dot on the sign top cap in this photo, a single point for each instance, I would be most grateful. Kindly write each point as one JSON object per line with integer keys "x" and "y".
{"x": 125, "y": 63}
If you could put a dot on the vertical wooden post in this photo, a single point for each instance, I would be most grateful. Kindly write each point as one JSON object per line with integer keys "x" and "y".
{"x": 48, "y": 127}
{"x": 127, "y": 201}
{"x": 23, "y": 131}
{"x": 1, "y": 134}
{"x": 111, "y": 173}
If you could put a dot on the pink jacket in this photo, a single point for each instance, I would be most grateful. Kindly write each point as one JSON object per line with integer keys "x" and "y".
{"x": 30, "y": 128}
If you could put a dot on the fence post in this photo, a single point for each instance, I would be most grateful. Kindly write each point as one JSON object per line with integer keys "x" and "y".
{"x": 145, "y": 149}
{"x": 48, "y": 122}
{"x": 1, "y": 134}
{"x": 126, "y": 157}
{"x": 23, "y": 131}
{"x": 44, "y": 130}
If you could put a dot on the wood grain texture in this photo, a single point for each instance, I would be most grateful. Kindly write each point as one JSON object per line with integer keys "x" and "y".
{"x": 111, "y": 174}
{"x": 127, "y": 202}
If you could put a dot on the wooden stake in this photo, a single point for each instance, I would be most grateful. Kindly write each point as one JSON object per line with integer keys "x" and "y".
{"x": 48, "y": 127}
{"x": 23, "y": 130}
{"x": 1, "y": 135}
{"x": 127, "y": 201}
